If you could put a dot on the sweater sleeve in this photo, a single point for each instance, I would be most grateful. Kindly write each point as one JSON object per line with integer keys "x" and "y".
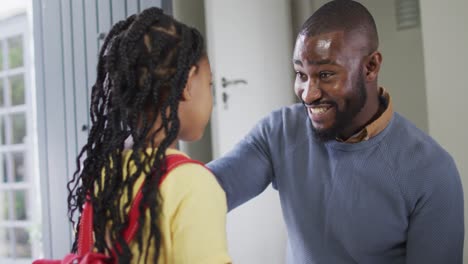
{"x": 436, "y": 226}
{"x": 246, "y": 171}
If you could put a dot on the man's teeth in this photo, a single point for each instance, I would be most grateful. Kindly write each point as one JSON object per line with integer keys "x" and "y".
{"x": 318, "y": 110}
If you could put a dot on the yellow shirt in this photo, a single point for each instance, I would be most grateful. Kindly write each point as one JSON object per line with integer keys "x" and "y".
{"x": 192, "y": 220}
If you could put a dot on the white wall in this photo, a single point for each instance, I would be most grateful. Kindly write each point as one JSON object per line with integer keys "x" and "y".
{"x": 402, "y": 72}
{"x": 300, "y": 11}
{"x": 11, "y": 8}
{"x": 445, "y": 37}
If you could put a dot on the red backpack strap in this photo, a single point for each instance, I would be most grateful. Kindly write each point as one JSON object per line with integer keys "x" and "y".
{"x": 172, "y": 161}
{"x": 85, "y": 236}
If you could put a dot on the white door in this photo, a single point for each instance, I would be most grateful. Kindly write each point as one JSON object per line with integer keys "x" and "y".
{"x": 250, "y": 47}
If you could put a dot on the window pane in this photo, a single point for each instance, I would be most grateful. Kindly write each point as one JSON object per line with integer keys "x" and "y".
{"x": 18, "y": 167}
{"x": 3, "y": 165}
{"x": 19, "y": 128}
{"x": 1, "y": 55}
{"x": 5, "y": 244}
{"x": 17, "y": 89}
{"x": 4, "y": 202}
{"x": 1, "y": 91}
{"x": 15, "y": 52}
{"x": 20, "y": 205}
{"x": 23, "y": 243}
{"x": 2, "y": 130}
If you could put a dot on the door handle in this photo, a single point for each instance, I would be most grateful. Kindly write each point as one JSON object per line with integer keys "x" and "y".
{"x": 225, "y": 82}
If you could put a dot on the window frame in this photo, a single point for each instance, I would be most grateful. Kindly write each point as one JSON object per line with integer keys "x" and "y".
{"x": 12, "y": 26}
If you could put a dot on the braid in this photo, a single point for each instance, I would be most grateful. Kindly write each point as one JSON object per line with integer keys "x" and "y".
{"x": 77, "y": 194}
{"x": 142, "y": 70}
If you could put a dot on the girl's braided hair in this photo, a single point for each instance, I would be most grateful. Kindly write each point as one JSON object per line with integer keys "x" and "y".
{"x": 142, "y": 70}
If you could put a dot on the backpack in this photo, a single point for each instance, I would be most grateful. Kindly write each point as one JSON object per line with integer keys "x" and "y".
{"x": 85, "y": 254}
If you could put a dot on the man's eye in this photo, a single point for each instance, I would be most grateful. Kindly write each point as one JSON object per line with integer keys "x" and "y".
{"x": 301, "y": 76}
{"x": 325, "y": 75}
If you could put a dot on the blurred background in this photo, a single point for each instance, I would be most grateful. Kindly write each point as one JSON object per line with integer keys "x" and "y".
{"x": 48, "y": 56}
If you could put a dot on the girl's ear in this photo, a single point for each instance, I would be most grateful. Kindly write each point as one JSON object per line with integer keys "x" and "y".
{"x": 187, "y": 93}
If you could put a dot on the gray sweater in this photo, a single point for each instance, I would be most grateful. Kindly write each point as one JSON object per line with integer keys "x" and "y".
{"x": 396, "y": 198}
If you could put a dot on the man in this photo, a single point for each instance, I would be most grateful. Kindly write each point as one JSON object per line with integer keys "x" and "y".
{"x": 358, "y": 183}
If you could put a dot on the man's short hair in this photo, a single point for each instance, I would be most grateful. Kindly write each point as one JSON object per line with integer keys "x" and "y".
{"x": 343, "y": 15}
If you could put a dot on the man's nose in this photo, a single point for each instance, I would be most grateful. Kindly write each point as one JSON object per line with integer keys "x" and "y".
{"x": 311, "y": 93}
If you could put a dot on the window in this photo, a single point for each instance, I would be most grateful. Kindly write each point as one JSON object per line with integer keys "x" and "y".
{"x": 19, "y": 223}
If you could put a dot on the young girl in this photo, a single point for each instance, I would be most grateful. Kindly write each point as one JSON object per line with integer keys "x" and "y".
{"x": 153, "y": 87}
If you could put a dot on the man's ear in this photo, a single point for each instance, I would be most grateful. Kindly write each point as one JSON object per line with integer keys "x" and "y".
{"x": 187, "y": 93}
{"x": 373, "y": 66}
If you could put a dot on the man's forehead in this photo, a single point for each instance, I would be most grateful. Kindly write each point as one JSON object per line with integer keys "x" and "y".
{"x": 330, "y": 46}
{"x": 322, "y": 45}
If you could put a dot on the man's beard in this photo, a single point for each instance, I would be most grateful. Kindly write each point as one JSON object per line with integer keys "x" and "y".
{"x": 344, "y": 118}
